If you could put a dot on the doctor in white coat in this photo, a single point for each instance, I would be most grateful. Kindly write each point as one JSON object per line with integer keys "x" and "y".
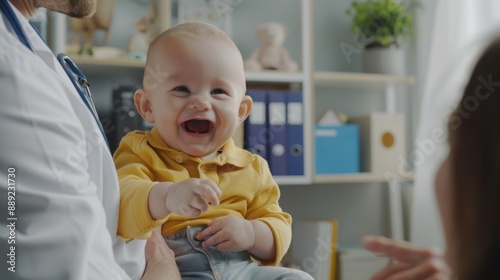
{"x": 59, "y": 190}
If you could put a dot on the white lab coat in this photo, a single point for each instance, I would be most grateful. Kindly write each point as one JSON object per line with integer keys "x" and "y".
{"x": 67, "y": 193}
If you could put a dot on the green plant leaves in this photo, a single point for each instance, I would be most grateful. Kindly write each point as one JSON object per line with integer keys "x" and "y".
{"x": 381, "y": 22}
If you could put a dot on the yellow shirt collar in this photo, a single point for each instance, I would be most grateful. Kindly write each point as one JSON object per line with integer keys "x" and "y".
{"x": 228, "y": 153}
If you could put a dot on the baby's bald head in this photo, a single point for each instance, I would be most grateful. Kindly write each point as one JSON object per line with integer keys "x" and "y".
{"x": 198, "y": 32}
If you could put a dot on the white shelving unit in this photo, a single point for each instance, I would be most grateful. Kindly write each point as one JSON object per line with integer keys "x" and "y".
{"x": 275, "y": 77}
{"x": 363, "y": 177}
{"x": 84, "y": 61}
{"x": 308, "y": 79}
{"x": 366, "y": 80}
{"x": 388, "y": 84}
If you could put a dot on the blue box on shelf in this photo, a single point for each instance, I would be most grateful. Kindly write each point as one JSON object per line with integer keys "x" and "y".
{"x": 337, "y": 149}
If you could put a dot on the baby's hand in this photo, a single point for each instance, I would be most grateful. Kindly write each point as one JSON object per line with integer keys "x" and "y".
{"x": 228, "y": 233}
{"x": 192, "y": 197}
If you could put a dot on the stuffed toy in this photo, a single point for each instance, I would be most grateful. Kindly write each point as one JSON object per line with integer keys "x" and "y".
{"x": 139, "y": 42}
{"x": 271, "y": 55}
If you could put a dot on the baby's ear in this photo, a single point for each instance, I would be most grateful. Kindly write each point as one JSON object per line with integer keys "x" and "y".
{"x": 143, "y": 105}
{"x": 245, "y": 108}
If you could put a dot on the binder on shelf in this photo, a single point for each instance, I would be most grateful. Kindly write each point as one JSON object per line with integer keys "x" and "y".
{"x": 277, "y": 119}
{"x": 295, "y": 125}
{"x": 255, "y": 126}
{"x": 124, "y": 115}
{"x": 314, "y": 247}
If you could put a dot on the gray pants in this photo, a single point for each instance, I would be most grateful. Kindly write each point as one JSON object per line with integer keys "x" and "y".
{"x": 196, "y": 262}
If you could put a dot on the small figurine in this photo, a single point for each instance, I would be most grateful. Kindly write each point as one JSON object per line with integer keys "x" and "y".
{"x": 139, "y": 42}
{"x": 271, "y": 55}
{"x": 100, "y": 20}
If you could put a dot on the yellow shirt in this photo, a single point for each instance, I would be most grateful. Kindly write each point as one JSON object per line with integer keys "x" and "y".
{"x": 248, "y": 190}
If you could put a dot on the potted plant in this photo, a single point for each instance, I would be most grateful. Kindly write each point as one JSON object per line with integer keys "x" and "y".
{"x": 380, "y": 27}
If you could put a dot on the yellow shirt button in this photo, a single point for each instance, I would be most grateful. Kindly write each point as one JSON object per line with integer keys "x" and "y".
{"x": 178, "y": 158}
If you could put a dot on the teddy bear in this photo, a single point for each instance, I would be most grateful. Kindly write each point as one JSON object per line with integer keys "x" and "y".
{"x": 271, "y": 55}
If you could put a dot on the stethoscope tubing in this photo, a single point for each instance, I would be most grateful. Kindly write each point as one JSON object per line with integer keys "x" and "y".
{"x": 80, "y": 85}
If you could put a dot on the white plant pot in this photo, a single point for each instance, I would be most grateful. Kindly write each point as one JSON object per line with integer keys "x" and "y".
{"x": 389, "y": 60}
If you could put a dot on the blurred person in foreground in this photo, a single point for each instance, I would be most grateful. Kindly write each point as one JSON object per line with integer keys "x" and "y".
{"x": 467, "y": 188}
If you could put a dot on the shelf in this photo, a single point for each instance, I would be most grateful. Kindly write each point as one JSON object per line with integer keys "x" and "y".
{"x": 364, "y": 177}
{"x": 346, "y": 79}
{"x": 108, "y": 62}
{"x": 291, "y": 180}
{"x": 274, "y": 77}
{"x": 357, "y": 178}
{"x": 321, "y": 78}
{"x": 351, "y": 79}
{"x": 261, "y": 76}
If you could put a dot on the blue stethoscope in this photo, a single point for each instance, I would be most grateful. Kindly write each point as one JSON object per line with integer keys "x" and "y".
{"x": 75, "y": 75}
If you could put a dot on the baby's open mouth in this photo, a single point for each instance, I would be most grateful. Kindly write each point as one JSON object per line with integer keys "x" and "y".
{"x": 197, "y": 126}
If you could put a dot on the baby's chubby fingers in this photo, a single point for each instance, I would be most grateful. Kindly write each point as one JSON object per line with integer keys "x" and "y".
{"x": 213, "y": 227}
{"x": 200, "y": 204}
{"x": 209, "y": 191}
{"x": 206, "y": 233}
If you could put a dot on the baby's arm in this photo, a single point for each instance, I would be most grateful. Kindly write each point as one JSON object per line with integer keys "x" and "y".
{"x": 188, "y": 198}
{"x": 270, "y": 222}
{"x": 264, "y": 247}
{"x": 136, "y": 182}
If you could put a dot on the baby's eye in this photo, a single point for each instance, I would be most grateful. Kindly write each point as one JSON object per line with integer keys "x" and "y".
{"x": 218, "y": 91}
{"x": 181, "y": 88}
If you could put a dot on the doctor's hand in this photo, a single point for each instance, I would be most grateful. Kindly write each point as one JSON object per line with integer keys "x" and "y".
{"x": 408, "y": 261}
{"x": 160, "y": 259}
{"x": 192, "y": 197}
{"x": 228, "y": 233}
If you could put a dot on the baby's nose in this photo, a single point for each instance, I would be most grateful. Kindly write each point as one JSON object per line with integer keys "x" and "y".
{"x": 200, "y": 102}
